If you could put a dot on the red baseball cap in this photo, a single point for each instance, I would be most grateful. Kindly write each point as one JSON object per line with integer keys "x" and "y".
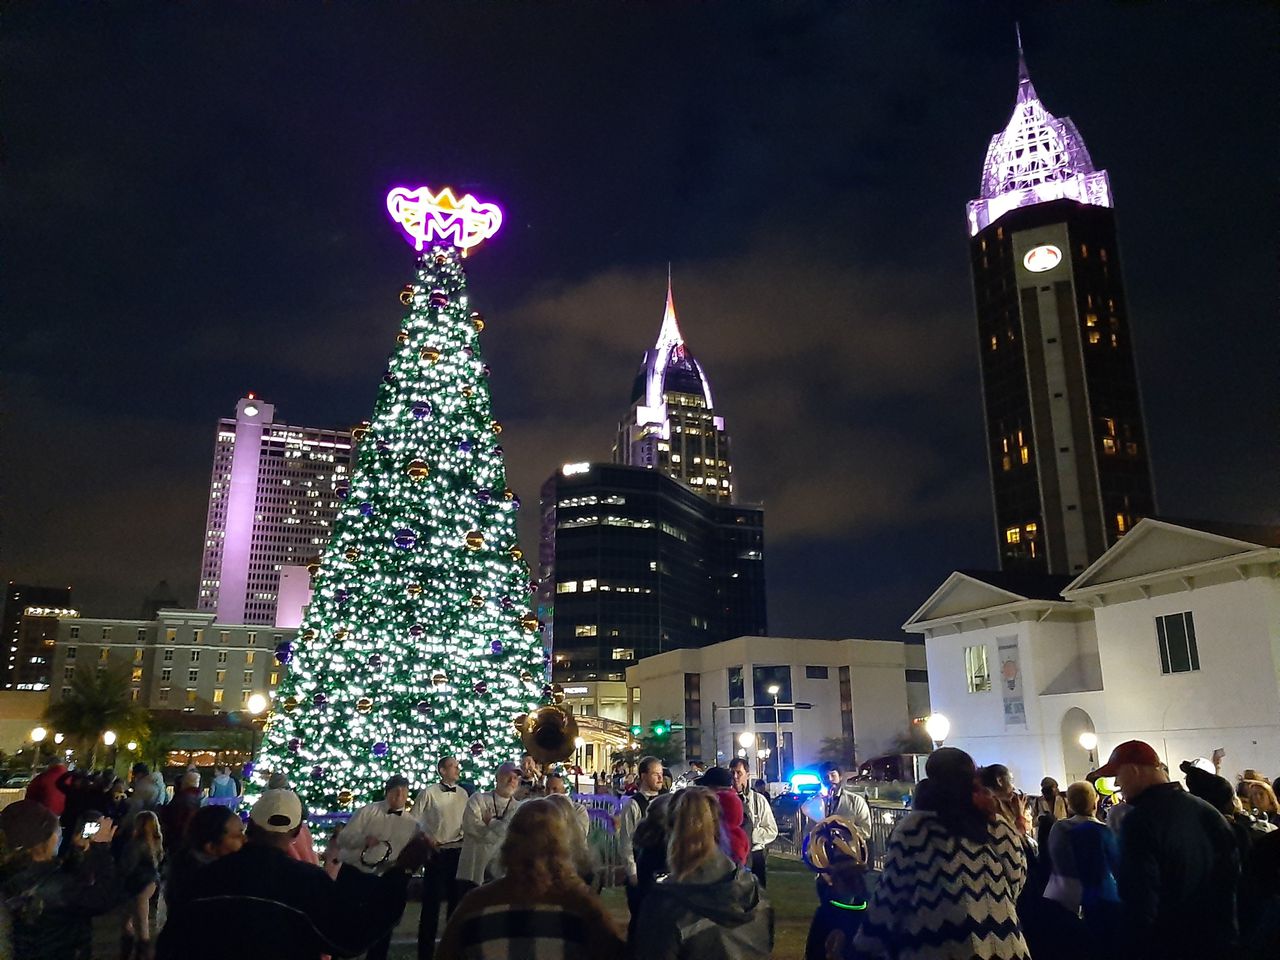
{"x": 1137, "y": 752}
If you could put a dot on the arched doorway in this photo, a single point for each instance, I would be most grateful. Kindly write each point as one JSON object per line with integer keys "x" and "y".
{"x": 1076, "y": 760}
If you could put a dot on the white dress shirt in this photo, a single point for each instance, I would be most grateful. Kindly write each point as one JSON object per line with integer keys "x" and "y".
{"x": 481, "y": 841}
{"x": 853, "y": 806}
{"x": 438, "y": 810}
{"x": 764, "y": 826}
{"x": 375, "y": 820}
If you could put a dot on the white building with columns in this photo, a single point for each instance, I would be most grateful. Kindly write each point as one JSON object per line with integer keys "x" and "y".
{"x": 1171, "y": 636}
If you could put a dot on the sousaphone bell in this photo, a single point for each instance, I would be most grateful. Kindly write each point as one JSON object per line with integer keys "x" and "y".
{"x": 548, "y": 733}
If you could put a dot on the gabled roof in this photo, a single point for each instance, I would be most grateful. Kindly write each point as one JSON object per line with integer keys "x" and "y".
{"x": 967, "y": 592}
{"x": 1158, "y": 547}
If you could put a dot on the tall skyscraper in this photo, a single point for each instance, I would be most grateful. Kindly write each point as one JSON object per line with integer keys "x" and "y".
{"x": 632, "y": 563}
{"x": 1065, "y": 436}
{"x": 672, "y": 425}
{"x": 272, "y": 502}
{"x": 26, "y": 665}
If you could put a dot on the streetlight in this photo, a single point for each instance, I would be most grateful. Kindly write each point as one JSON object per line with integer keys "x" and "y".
{"x": 578, "y": 744}
{"x": 937, "y": 727}
{"x": 256, "y": 704}
{"x": 762, "y": 755}
{"x": 109, "y": 738}
{"x": 773, "y": 690}
{"x": 58, "y": 738}
{"x": 746, "y": 740}
{"x": 37, "y": 737}
{"x": 131, "y": 746}
{"x": 1089, "y": 740}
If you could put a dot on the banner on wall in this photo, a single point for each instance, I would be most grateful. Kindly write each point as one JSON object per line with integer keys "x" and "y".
{"x": 1015, "y": 710}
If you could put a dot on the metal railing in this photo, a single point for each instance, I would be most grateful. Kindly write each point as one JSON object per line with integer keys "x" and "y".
{"x": 884, "y": 819}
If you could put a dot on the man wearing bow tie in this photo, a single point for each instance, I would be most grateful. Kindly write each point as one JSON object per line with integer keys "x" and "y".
{"x": 374, "y": 837}
{"x": 438, "y": 809}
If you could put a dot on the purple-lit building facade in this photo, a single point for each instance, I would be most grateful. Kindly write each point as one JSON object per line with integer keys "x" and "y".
{"x": 271, "y": 504}
{"x": 1065, "y": 436}
{"x": 672, "y": 425}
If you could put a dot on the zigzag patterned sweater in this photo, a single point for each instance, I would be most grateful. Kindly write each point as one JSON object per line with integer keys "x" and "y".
{"x": 947, "y": 898}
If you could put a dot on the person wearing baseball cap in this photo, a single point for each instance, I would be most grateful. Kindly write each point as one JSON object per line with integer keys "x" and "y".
{"x": 1178, "y": 862}
{"x": 282, "y": 908}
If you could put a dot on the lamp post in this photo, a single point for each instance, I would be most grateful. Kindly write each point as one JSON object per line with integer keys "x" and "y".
{"x": 37, "y": 737}
{"x": 109, "y": 738}
{"x": 773, "y": 690}
{"x": 746, "y": 740}
{"x": 937, "y": 727}
{"x": 256, "y": 704}
{"x": 1089, "y": 740}
{"x": 578, "y": 744}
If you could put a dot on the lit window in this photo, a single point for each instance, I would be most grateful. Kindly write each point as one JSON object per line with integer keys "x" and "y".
{"x": 275, "y": 678}
{"x": 191, "y": 695}
{"x": 220, "y": 676}
{"x": 589, "y": 585}
{"x": 1110, "y": 424}
{"x": 995, "y": 343}
{"x": 1095, "y": 336}
{"x": 1108, "y": 445}
{"x": 1115, "y": 340}
{"x": 171, "y": 635}
{"x": 137, "y": 654}
{"x": 585, "y": 630}
{"x": 217, "y": 696}
{"x": 624, "y": 653}
{"x": 1176, "y": 635}
{"x": 569, "y": 586}
{"x": 1006, "y": 462}
{"x": 1122, "y": 523}
{"x": 135, "y": 694}
{"x": 248, "y": 658}
{"x": 1091, "y": 319}
{"x": 103, "y": 654}
{"x": 136, "y": 675}
{"x": 1013, "y": 535}
{"x": 1031, "y": 529}
{"x": 1024, "y": 454}
{"x": 975, "y": 664}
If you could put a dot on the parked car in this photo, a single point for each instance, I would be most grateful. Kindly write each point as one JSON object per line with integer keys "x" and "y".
{"x": 18, "y": 780}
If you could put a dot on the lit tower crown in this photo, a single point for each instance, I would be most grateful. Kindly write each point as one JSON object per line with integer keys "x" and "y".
{"x": 1066, "y": 442}
{"x": 672, "y": 425}
{"x": 1037, "y": 157}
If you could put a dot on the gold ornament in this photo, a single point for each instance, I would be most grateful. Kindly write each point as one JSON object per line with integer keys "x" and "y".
{"x": 360, "y": 431}
{"x": 468, "y": 390}
{"x": 352, "y": 554}
{"x": 364, "y": 704}
{"x": 439, "y": 679}
{"x": 478, "y": 321}
{"x": 341, "y": 633}
{"x": 516, "y": 553}
{"x": 307, "y": 636}
{"x": 548, "y": 734}
{"x": 290, "y": 704}
{"x": 429, "y": 354}
{"x": 441, "y": 259}
{"x": 477, "y": 600}
{"x": 475, "y": 540}
{"x": 406, "y": 294}
{"x": 526, "y": 676}
{"x": 508, "y": 494}
{"x": 557, "y": 693}
{"x": 497, "y": 427}
{"x": 314, "y": 566}
{"x": 344, "y": 798}
{"x": 414, "y": 589}
{"x": 529, "y": 622}
{"x": 417, "y": 470}
{"x": 402, "y": 336}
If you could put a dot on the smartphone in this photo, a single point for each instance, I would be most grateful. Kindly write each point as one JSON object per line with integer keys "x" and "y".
{"x": 90, "y": 828}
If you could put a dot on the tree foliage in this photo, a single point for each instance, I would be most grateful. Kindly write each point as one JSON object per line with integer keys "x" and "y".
{"x": 98, "y": 701}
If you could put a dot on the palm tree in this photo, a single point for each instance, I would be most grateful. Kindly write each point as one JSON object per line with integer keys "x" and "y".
{"x": 99, "y": 701}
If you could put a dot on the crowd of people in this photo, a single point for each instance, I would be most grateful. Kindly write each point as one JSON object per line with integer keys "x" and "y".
{"x": 973, "y": 869}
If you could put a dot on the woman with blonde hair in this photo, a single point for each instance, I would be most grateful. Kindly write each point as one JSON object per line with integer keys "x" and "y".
{"x": 140, "y": 860}
{"x": 579, "y": 853}
{"x": 539, "y": 907}
{"x": 707, "y": 907}
{"x": 1259, "y": 795}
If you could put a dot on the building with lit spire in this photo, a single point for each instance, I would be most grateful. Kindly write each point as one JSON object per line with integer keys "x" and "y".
{"x": 1066, "y": 442}
{"x": 672, "y": 425}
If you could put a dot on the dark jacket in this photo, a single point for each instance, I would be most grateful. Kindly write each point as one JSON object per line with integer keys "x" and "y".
{"x": 674, "y": 914}
{"x": 53, "y": 903}
{"x": 1178, "y": 874}
{"x": 281, "y": 909}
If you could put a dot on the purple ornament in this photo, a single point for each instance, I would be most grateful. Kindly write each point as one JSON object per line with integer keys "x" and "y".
{"x": 247, "y": 770}
{"x": 423, "y": 707}
{"x": 515, "y": 503}
{"x": 417, "y": 630}
{"x": 420, "y": 411}
{"x": 405, "y": 538}
{"x": 481, "y": 688}
{"x": 533, "y": 586}
{"x": 484, "y": 496}
{"x": 379, "y": 749}
{"x": 498, "y": 450}
{"x": 284, "y": 652}
{"x": 382, "y": 445}
{"x": 438, "y": 298}
{"x": 389, "y": 379}
{"x": 469, "y": 351}
{"x": 366, "y": 509}
{"x": 375, "y": 660}
{"x": 319, "y": 699}
{"x": 484, "y": 369}
{"x": 342, "y": 595}
{"x": 464, "y": 446}
{"x": 477, "y": 748}
{"x": 342, "y": 489}
{"x": 495, "y": 647}
{"x": 317, "y": 773}
{"x": 294, "y": 744}
{"x": 507, "y": 603}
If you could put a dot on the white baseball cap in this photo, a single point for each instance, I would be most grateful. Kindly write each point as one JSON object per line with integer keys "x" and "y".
{"x": 277, "y": 811}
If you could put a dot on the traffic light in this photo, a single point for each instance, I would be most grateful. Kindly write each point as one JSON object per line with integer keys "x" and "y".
{"x": 659, "y": 729}
{"x": 636, "y": 730}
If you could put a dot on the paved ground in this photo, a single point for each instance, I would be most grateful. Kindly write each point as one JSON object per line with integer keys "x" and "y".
{"x": 790, "y": 890}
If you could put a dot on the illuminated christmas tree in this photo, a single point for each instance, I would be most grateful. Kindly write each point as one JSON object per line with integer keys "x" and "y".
{"x": 419, "y": 640}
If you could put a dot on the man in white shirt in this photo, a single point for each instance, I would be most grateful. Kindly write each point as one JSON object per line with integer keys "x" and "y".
{"x": 556, "y": 784}
{"x": 438, "y": 810}
{"x": 373, "y": 839}
{"x": 484, "y": 826}
{"x": 759, "y": 822}
{"x": 839, "y": 802}
{"x": 648, "y": 786}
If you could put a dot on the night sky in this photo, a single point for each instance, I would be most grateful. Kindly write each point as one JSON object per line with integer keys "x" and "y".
{"x": 193, "y": 208}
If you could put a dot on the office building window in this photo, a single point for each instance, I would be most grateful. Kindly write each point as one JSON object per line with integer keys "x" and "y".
{"x": 137, "y": 654}
{"x": 68, "y": 673}
{"x": 164, "y": 694}
{"x": 222, "y": 656}
{"x": 585, "y": 630}
{"x": 71, "y": 653}
{"x": 168, "y": 656}
{"x": 762, "y": 678}
{"x": 248, "y": 677}
{"x": 975, "y": 665}
{"x": 166, "y": 674}
{"x": 692, "y": 716}
{"x": 195, "y": 656}
{"x": 815, "y": 673}
{"x": 624, "y": 653}
{"x": 248, "y": 658}
{"x": 136, "y": 675}
{"x": 193, "y": 676}
{"x": 846, "y": 704}
{"x": 217, "y": 696}
{"x": 1176, "y": 634}
{"x": 74, "y": 633}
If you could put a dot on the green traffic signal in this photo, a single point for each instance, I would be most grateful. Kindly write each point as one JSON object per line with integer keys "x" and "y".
{"x": 659, "y": 729}
{"x": 636, "y": 730}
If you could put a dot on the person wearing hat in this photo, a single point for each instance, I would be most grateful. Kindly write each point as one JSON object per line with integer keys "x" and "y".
{"x": 282, "y": 908}
{"x": 485, "y": 820}
{"x": 51, "y": 901}
{"x": 1178, "y": 867}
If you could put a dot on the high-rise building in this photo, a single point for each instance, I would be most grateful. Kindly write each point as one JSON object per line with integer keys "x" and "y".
{"x": 272, "y": 502}
{"x": 672, "y": 425}
{"x": 1065, "y": 438}
{"x": 25, "y": 664}
{"x": 633, "y": 563}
